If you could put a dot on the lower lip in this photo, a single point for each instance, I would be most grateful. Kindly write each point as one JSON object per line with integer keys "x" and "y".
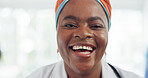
{"x": 82, "y": 55}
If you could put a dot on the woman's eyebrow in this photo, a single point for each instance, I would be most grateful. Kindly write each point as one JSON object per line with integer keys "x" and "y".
{"x": 71, "y": 17}
{"x": 95, "y": 18}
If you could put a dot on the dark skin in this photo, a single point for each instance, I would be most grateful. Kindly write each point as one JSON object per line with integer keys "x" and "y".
{"x": 82, "y": 22}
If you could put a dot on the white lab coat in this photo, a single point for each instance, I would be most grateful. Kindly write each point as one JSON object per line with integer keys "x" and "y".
{"x": 57, "y": 70}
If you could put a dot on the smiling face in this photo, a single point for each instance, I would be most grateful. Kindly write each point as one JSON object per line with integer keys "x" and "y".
{"x": 82, "y": 35}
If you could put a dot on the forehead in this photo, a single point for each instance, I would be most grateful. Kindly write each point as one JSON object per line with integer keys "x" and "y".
{"x": 83, "y": 9}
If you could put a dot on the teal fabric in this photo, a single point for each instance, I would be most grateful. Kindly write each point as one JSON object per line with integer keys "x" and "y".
{"x": 109, "y": 21}
{"x": 59, "y": 10}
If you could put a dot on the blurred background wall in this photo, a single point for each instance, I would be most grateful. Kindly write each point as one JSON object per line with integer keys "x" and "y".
{"x": 28, "y": 36}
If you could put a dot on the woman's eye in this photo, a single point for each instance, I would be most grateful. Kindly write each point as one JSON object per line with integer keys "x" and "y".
{"x": 70, "y": 26}
{"x": 96, "y": 27}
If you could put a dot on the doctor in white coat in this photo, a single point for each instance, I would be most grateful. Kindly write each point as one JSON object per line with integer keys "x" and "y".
{"x": 82, "y": 37}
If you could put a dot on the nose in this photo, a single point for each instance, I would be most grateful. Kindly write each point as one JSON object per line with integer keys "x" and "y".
{"x": 83, "y": 33}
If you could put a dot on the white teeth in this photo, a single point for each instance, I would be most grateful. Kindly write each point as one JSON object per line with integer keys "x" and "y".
{"x": 84, "y": 52}
{"x": 77, "y": 47}
{"x": 74, "y": 47}
{"x": 82, "y": 47}
{"x": 89, "y": 48}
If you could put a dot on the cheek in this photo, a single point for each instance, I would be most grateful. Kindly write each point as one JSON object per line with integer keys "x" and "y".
{"x": 102, "y": 40}
{"x": 63, "y": 39}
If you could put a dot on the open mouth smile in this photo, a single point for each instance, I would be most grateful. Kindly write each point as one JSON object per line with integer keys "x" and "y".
{"x": 83, "y": 50}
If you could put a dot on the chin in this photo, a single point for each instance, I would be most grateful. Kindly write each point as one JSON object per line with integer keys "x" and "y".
{"x": 83, "y": 68}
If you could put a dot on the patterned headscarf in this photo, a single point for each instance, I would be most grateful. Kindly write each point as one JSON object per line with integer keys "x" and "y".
{"x": 104, "y": 3}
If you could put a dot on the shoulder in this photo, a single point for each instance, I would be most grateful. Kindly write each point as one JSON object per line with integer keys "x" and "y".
{"x": 110, "y": 71}
{"x": 43, "y": 72}
{"x": 127, "y": 74}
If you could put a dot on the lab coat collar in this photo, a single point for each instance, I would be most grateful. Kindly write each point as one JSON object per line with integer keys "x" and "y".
{"x": 60, "y": 72}
{"x": 107, "y": 72}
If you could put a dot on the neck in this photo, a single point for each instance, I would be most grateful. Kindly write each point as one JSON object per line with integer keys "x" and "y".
{"x": 95, "y": 73}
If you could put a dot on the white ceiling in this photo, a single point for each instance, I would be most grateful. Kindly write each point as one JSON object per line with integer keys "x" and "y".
{"x": 46, "y": 4}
